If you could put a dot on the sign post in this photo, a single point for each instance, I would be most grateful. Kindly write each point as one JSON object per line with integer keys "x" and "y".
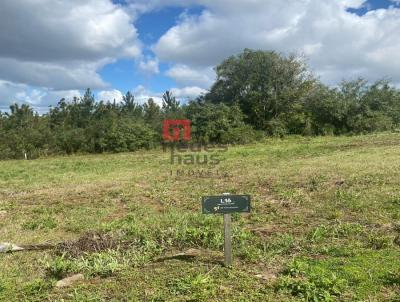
{"x": 227, "y": 240}
{"x": 226, "y": 204}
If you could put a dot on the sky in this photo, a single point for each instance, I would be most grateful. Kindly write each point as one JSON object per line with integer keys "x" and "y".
{"x": 56, "y": 49}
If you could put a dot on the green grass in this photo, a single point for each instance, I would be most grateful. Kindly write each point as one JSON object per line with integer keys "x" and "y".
{"x": 325, "y": 224}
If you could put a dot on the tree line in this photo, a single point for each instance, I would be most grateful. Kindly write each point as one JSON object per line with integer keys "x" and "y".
{"x": 256, "y": 93}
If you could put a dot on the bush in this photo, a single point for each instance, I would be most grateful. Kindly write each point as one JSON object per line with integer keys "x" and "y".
{"x": 218, "y": 123}
{"x": 276, "y": 127}
{"x": 128, "y": 136}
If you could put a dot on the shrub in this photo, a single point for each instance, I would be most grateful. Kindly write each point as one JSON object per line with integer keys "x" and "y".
{"x": 218, "y": 123}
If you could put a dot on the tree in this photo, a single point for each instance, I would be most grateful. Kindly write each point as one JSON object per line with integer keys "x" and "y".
{"x": 353, "y": 107}
{"x": 130, "y": 107}
{"x": 264, "y": 84}
{"x": 370, "y": 108}
{"x": 152, "y": 114}
{"x": 24, "y": 134}
{"x": 170, "y": 103}
{"x": 325, "y": 115}
{"x": 86, "y": 108}
{"x": 218, "y": 123}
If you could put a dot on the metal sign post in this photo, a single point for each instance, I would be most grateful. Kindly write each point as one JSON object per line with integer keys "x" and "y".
{"x": 226, "y": 204}
{"x": 227, "y": 240}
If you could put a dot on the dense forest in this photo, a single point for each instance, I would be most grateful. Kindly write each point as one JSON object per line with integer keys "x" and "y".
{"x": 256, "y": 93}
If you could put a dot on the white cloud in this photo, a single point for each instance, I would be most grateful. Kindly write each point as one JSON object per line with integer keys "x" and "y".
{"x": 62, "y": 44}
{"x": 142, "y": 95}
{"x": 339, "y": 43}
{"x": 52, "y": 75}
{"x": 33, "y": 98}
{"x": 38, "y": 98}
{"x": 149, "y": 66}
{"x": 185, "y": 75}
{"x": 8, "y": 92}
{"x": 188, "y": 92}
{"x": 110, "y": 95}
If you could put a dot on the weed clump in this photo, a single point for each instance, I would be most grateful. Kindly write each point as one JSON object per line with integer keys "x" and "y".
{"x": 300, "y": 281}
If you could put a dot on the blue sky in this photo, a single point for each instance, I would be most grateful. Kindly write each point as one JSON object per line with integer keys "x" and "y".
{"x": 149, "y": 46}
{"x": 373, "y": 5}
{"x": 150, "y": 26}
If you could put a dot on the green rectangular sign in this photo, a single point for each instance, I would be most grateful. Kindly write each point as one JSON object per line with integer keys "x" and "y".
{"x": 225, "y": 204}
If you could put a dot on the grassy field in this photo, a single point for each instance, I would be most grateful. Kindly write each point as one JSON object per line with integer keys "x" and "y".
{"x": 324, "y": 225}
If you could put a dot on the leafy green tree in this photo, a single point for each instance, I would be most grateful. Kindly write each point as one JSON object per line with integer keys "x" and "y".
{"x": 264, "y": 84}
{"x": 23, "y": 133}
{"x": 218, "y": 123}
{"x": 325, "y": 114}
{"x": 353, "y": 107}
{"x": 383, "y": 97}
